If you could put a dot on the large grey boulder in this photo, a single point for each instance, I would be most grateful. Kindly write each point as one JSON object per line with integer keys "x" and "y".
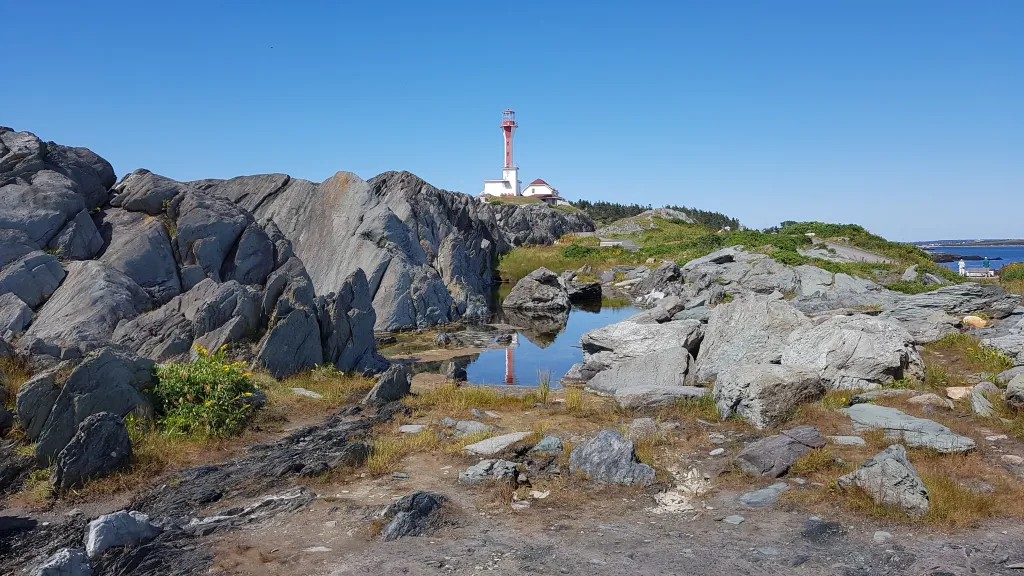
{"x": 627, "y": 340}
{"x": 979, "y": 397}
{"x": 610, "y": 459}
{"x": 750, "y": 330}
{"x": 78, "y": 240}
{"x": 83, "y": 313}
{"x": 541, "y": 289}
{"x": 15, "y": 315}
{"x": 412, "y": 515}
{"x": 43, "y": 186}
{"x": 1015, "y": 392}
{"x": 346, "y": 327}
{"x": 100, "y": 446}
{"x": 144, "y": 191}
{"x": 668, "y": 367}
{"x": 392, "y": 385}
{"x": 118, "y": 530}
{"x": 140, "y": 247}
{"x": 773, "y": 456}
{"x": 65, "y": 562}
{"x": 890, "y": 479}
{"x": 855, "y": 352}
{"x": 766, "y": 395}
{"x": 666, "y": 279}
{"x": 33, "y": 277}
{"x": 912, "y": 431}
{"x": 109, "y": 380}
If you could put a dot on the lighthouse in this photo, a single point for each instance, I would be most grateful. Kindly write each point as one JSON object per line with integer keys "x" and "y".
{"x": 509, "y": 185}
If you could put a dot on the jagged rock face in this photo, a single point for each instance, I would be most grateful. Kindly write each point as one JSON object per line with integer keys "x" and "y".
{"x": 83, "y": 313}
{"x": 890, "y": 479}
{"x": 534, "y": 224}
{"x": 139, "y": 246}
{"x": 44, "y": 187}
{"x": 428, "y": 254}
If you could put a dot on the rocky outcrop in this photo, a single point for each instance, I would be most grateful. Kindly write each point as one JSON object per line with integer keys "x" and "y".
{"x": 100, "y": 446}
{"x": 65, "y": 562}
{"x": 765, "y": 394}
{"x": 346, "y": 327}
{"x": 773, "y": 456}
{"x": 890, "y": 479}
{"x": 750, "y": 330}
{"x": 541, "y": 289}
{"x": 932, "y": 315}
{"x": 82, "y": 314}
{"x": 428, "y": 254}
{"x": 912, "y": 431}
{"x": 44, "y": 187}
{"x": 292, "y": 341}
{"x": 609, "y": 458}
{"x": 106, "y": 381}
{"x": 855, "y": 352}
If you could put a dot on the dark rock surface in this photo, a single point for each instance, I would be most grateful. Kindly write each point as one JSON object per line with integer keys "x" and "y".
{"x": 101, "y": 445}
{"x": 772, "y": 456}
{"x": 890, "y": 479}
{"x": 15, "y": 315}
{"x": 392, "y": 385}
{"x": 412, "y": 515}
{"x": 32, "y": 277}
{"x": 609, "y": 458}
{"x": 109, "y": 380}
{"x": 140, "y": 247}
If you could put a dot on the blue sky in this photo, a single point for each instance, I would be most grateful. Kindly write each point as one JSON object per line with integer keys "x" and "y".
{"x": 906, "y": 116}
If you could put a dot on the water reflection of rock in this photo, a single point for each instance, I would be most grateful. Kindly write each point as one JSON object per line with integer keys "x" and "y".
{"x": 539, "y": 327}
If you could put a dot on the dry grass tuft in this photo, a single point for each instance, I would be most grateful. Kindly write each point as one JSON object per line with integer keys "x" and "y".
{"x": 815, "y": 462}
{"x": 388, "y": 451}
{"x": 16, "y": 372}
{"x": 573, "y": 399}
{"x": 703, "y": 408}
{"x": 453, "y": 399}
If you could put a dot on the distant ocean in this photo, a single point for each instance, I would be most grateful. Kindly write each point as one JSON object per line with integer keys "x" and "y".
{"x": 1007, "y": 253}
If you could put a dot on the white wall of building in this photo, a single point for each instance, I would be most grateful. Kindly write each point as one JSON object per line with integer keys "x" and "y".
{"x": 533, "y": 189}
{"x": 511, "y": 175}
{"x": 498, "y": 188}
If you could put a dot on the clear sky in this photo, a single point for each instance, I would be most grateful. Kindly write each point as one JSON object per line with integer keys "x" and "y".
{"x": 904, "y": 116}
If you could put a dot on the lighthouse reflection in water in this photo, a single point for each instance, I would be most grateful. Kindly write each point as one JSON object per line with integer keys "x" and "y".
{"x": 545, "y": 343}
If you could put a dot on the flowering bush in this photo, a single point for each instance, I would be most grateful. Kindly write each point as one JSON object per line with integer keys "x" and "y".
{"x": 208, "y": 396}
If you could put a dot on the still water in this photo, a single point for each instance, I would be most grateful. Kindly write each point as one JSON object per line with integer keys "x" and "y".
{"x": 550, "y": 344}
{"x": 1007, "y": 254}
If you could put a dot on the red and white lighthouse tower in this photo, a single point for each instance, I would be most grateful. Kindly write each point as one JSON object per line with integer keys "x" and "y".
{"x": 508, "y": 127}
{"x": 509, "y": 185}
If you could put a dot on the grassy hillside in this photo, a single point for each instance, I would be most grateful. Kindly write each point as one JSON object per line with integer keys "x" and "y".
{"x": 680, "y": 241}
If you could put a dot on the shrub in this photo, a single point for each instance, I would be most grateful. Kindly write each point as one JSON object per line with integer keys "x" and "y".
{"x": 1013, "y": 271}
{"x": 207, "y": 397}
{"x": 576, "y": 250}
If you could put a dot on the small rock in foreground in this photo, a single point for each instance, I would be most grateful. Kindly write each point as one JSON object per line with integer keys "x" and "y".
{"x": 772, "y": 456}
{"x": 100, "y": 446}
{"x": 610, "y": 458}
{"x": 889, "y": 478}
{"x": 765, "y": 496}
{"x": 496, "y": 444}
{"x": 119, "y": 529}
{"x": 66, "y": 562}
{"x": 412, "y": 515}
{"x": 501, "y": 470}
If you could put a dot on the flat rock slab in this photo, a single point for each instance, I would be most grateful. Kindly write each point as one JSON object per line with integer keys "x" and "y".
{"x": 647, "y": 395}
{"x": 872, "y": 395}
{"x": 764, "y": 497}
{"x": 847, "y": 440}
{"x": 914, "y": 432}
{"x": 307, "y": 393}
{"x": 496, "y": 444}
{"x": 465, "y": 427}
{"x": 412, "y": 428}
